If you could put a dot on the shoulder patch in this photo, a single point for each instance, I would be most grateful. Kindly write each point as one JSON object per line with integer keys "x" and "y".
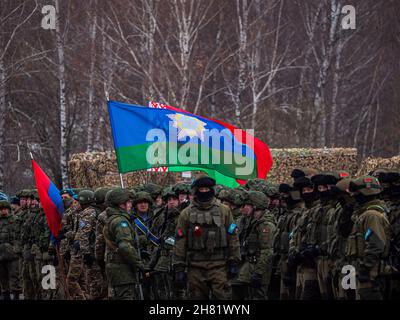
{"x": 82, "y": 224}
{"x": 124, "y": 224}
{"x": 368, "y": 233}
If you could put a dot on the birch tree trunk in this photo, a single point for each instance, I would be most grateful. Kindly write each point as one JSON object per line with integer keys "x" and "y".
{"x": 63, "y": 106}
{"x": 2, "y": 119}
{"x": 92, "y": 112}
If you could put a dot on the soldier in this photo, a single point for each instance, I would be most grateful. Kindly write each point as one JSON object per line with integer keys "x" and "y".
{"x": 81, "y": 255}
{"x": 143, "y": 211}
{"x": 338, "y": 237}
{"x": 154, "y": 190}
{"x": 160, "y": 264}
{"x": 369, "y": 240}
{"x": 255, "y": 274}
{"x": 85, "y": 239}
{"x": 286, "y": 225}
{"x": 390, "y": 182}
{"x": 100, "y": 198}
{"x": 122, "y": 260}
{"x": 29, "y": 275}
{"x": 15, "y": 206}
{"x": 206, "y": 244}
{"x": 19, "y": 218}
{"x": 8, "y": 258}
{"x": 301, "y": 256}
{"x": 317, "y": 237}
{"x": 183, "y": 190}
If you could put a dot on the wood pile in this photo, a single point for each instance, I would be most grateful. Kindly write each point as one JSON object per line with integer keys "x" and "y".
{"x": 326, "y": 159}
{"x": 97, "y": 169}
{"x": 369, "y": 164}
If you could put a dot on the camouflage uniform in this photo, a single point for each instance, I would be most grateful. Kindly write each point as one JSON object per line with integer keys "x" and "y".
{"x": 161, "y": 262}
{"x": 122, "y": 260}
{"x": 29, "y": 275}
{"x": 9, "y": 281}
{"x": 204, "y": 245}
{"x": 369, "y": 241}
{"x": 255, "y": 273}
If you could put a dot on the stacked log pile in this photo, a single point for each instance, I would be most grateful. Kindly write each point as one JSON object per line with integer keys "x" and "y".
{"x": 369, "y": 164}
{"x": 100, "y": 168}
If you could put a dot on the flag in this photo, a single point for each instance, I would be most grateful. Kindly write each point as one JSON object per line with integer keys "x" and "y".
{"x": 153, "y": 137}
{"x": 50, "y": 199}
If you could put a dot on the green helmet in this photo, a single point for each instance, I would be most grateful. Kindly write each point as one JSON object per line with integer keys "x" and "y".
{"x": 257, "y": 185}
{"x": 24, "y": 193}
{"x": 273, "y": 191}
{"x": 366, "y": 185}
{"x": 100, "y": 194}
{"x": 117, "y": 196}
{"x": 218, "y": 188}
{"x": 153, "y": 189}
{"x": 258, "y": 199}
{"x": 169, "y": 192}
{"x": 143, "y": 196}
{"x": 138, "y": 188}
{"x": 182, "y": 188}
{"x": 86, "y": 197}
{"x": 4, "y": 204}
{"x": 226, "y": 195}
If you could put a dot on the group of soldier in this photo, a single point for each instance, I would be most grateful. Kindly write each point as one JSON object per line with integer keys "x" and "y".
{"x": 321, "y": 235}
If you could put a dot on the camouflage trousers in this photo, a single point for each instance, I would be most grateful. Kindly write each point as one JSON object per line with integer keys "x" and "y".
{"x": 163, "y": 288}
{"x": 324, "y": 277}
{"x": 204, "y": 283}
{"x": 9, "y": 277}
{"x": 96, "y": 284}
{"x": 308, "y": 281}
{"x": 76, "y": 278}
{"x": 124, "y": 292}
{"x": 30, "y": 282}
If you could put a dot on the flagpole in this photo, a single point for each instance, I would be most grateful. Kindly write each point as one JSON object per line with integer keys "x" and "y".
{"x": 60, "y": 260}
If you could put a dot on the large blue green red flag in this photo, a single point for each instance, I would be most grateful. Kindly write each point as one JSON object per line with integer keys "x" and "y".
{"x": 153, "y": 137}
{"x": 50, "y": 199}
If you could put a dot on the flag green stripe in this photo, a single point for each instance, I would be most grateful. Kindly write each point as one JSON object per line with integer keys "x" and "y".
{"x": 133, "y": 158}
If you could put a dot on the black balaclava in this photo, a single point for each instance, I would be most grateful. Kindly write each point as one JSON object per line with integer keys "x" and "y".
{"x": 205, "y": 196}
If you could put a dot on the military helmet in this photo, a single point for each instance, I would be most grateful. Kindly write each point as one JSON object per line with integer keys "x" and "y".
{"x": 181, "y": 187}
{"x": 100, "y": 194}
{"x": 366, "y": 185}
{"x": 5, "y": 204}
{"x": 169, "y": 192}
{"x": 153, "y": 189}
{"x": 35, "y": 194}
{"x": 24, "y": 193}
{"x": 143, "y": 196}
{"x": 138, "y": 188}
{"x": 86, "y": 197}
{"x": 258, "y": 199}
{"x": 226, "y": 195}
{"x": 344, "y": 184}
{"x": 117, "y": 196}
{"x": 218, "y": 188}
{"x": 273, "y": 191}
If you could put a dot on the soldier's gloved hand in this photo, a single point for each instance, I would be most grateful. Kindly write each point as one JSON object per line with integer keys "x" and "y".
{"x": 256, "y": 280}
{"x": 76, "y": 245}
{"x": 233, "y": 270}
{"x": 180, "y": 279}
{"x": 363, "y": 274}
{"x": 88, "y": 259}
